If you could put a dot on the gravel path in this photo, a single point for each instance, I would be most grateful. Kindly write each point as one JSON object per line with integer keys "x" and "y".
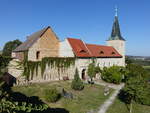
{"x": 111, "y": 99}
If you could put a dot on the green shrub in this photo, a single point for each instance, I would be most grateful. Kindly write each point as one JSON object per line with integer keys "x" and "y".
{"x": 137, "y": 86}
{"x": 52, "y": 95}
{"x": 93, "y": 70}
{"x": 112, "y": 74}
{"x": 10, "y": 103}
{"x": 77, "y": 84}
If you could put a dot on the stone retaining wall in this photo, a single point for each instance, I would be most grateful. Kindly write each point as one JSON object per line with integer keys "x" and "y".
{"x": 50, "y": 73}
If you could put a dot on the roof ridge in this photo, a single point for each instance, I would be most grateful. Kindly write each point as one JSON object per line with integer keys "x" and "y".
{"x": 98, "y": 45}
{"x": 44, "y": 30}
{"x": 87, "y": 48}
{"x": 31, "y": 39}
{"x": 73, "y": 38}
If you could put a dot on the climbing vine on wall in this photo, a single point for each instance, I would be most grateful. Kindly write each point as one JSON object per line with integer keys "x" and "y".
{"x": 54, "y": 62}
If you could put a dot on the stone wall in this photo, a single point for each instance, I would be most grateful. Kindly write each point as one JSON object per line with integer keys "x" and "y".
{"x": 82, "y": 64}
{"x": 119, "y": 45}
{"x": 16, "y": 70}
{"x": 108, "y": 62}
{"x": 18, "y": 55}
{"x": 54, "y": 73}
{"x": 47, "y": 46}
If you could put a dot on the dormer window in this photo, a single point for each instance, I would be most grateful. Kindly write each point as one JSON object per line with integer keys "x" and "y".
{"x": 101, "y": 52}
{"x": 82, "y": 51}
{"x": 113, "y": 53}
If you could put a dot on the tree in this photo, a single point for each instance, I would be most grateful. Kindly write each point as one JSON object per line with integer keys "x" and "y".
{"x": 138, "y": 90}
{"x": 93, "y": 70}
{"x": 3, "y": 63}
{"x": 77, "y": 84}
{"x": 133, "y": 70}
{"x": 128, "y": 60}
{"x": 136, "y": 87}
{"x": 10, "y": 46}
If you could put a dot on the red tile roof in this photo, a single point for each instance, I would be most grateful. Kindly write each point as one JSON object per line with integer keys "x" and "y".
{"x": 81, "y": 49}
{"x": 103, "y": 51}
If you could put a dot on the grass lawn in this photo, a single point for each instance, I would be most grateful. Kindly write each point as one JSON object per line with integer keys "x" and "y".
{"x": 88, "y": 99}
{"x": 120, "y": 107}
{"x": 147, "y": 68}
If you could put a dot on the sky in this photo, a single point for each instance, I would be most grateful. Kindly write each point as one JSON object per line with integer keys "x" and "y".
{"x": 89, "y": 20}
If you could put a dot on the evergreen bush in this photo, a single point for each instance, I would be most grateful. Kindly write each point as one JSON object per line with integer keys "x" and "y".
{"x": 77, "y": 84}
{"x": 52, "y": 95}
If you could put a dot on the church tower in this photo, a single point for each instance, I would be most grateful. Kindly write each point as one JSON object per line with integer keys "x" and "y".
{"x": 116, "y": 40}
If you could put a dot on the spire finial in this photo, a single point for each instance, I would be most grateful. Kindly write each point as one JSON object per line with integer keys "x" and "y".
{"x": 116, "y": 10}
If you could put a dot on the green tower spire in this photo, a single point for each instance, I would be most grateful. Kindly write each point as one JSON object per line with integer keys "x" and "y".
{"x": 116, "y": 34}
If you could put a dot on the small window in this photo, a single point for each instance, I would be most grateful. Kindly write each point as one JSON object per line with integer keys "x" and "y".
{"x": 101, "y": 52}
{"x": 113, "y": 53}
{"x": 82, "y": 51}
{"x": 37, "y": 54}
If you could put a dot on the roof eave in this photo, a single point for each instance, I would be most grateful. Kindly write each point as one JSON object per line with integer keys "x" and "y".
{"x": 20, "y": 50}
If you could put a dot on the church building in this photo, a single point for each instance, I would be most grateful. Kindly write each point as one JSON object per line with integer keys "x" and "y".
{"x": 45, "y": 43}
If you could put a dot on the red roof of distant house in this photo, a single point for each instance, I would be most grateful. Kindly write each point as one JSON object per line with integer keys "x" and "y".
{"x": 81, "y": 49}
